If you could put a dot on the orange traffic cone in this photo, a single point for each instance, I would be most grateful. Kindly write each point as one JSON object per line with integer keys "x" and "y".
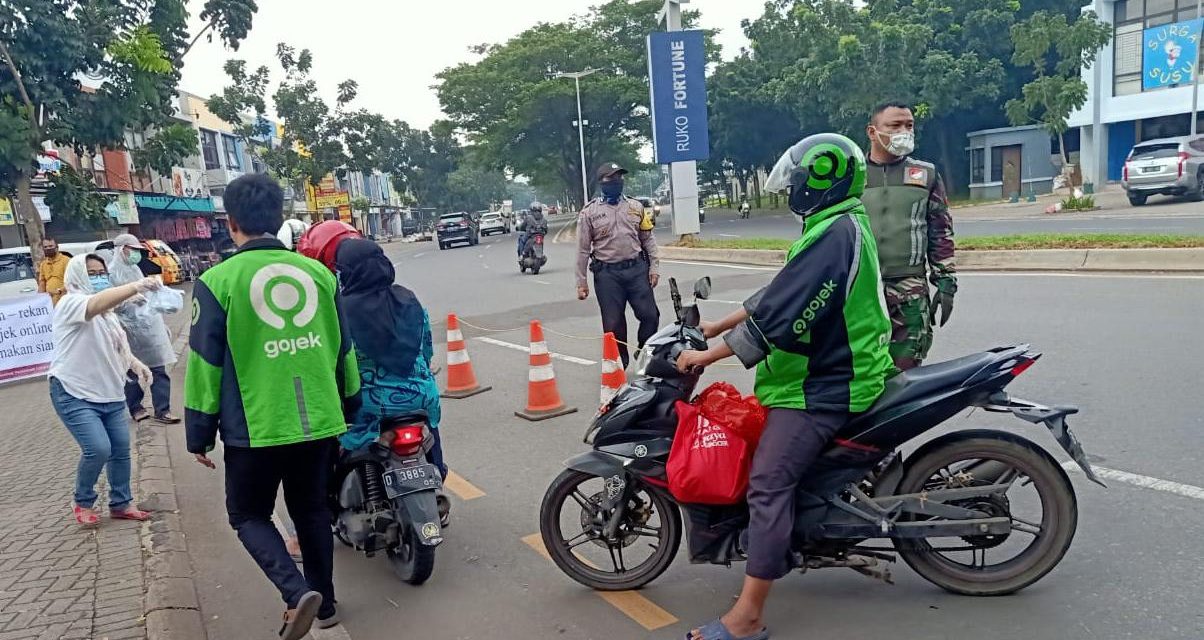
{"x": 461, "y": 381}
{"x": 543, "y": 399}
{"x": 613, "y": 375}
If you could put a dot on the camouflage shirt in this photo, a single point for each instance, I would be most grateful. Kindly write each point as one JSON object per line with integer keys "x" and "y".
{"x": 909, "y": 213}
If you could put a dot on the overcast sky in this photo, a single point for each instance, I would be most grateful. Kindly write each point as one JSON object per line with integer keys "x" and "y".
{"x": 394, "y": 48}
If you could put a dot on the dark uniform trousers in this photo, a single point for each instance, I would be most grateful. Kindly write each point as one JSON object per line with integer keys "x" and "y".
{"x": 618, "y": 284}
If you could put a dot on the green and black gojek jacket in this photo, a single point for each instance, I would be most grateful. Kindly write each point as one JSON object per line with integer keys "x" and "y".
{"x": 819, "y": 332}
{"x": 271, "y": 362}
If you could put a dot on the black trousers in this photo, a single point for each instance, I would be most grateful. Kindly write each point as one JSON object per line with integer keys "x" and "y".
{"x": 160, "y": 392}
{"x": 253, "y": 476}
{"x": 792, "y": 440}
{"x": 618, "y": 287}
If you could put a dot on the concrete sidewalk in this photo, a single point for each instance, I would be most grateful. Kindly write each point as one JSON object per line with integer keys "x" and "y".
{"x": 58, "y": 580}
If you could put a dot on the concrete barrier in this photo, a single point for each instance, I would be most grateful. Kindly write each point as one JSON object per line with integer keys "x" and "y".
{"x": 1174, "y": 260}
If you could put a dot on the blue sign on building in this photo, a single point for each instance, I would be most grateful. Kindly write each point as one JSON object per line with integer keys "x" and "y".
{"x": 1169, "y": 54}
{"x": 676, "y": 67}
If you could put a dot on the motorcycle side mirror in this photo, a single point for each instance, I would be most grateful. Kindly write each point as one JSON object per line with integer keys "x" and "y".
{"x": 702, "y": 288}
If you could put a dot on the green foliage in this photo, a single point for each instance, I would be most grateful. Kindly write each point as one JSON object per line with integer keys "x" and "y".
{"x": 167, "y": 148}
{"x": 1079, "y": 203}
{"x": 231, "y": 19}
{"x": 520, "y": 118}
{"x": 473, "y": 188}
{"x": 143, "y": 50}
{"x": 360, "y": 204}
{"x": 74, "y": 198}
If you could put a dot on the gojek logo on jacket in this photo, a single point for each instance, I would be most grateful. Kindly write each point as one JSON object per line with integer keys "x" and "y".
{"x": 284, "y": 295}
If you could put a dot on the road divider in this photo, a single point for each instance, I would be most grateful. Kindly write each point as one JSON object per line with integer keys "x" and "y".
{"x": 640, "y": 609}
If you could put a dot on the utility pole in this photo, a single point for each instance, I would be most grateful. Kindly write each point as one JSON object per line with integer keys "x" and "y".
{"x": 1195, "y": 85}
{"x": 577, "y": 76}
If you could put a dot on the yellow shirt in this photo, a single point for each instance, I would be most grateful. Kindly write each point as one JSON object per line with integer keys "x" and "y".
{"x": 50, "y": 276}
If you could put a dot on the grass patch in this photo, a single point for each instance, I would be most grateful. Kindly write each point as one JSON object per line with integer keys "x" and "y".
{"x": 986, "y": 243}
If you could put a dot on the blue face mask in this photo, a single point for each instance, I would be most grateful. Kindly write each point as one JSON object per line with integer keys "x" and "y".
{"x": 100, "y": 283}
{"x": 611, "y": 191}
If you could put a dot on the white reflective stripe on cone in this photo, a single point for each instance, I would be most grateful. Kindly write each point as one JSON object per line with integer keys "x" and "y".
{"x": 611, "y": 366}
{"x": 457, "y": 357}
{"x": 539, "y": 348}
{"x": 608, "y": 394}
{"x": 454, "y": 335}
{"x": 542, "y": 373}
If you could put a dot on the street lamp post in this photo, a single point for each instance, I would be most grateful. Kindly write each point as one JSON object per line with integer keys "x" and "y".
{"x": 577, "y": 76}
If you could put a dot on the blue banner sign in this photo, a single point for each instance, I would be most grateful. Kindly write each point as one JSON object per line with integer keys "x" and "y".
{"x": 1169, "y": 54}
{"x": 676, "y": 68}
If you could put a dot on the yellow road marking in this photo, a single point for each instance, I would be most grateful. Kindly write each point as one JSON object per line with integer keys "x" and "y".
{"x": 461, "y": 487}
{"x": 635, "y": 606}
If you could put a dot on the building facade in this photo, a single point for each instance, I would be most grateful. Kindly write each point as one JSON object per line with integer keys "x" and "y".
{"x": 1011, "y": 162}
{"x": 1140, "y": 87}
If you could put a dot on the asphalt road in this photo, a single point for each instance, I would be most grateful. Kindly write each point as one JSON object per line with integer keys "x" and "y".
{"x": 1126, "y": 349}
{"x": 1164, "y": 215}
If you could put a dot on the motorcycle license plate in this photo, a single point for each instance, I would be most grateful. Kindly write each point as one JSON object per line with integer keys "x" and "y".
{"x": 406, "y": 480}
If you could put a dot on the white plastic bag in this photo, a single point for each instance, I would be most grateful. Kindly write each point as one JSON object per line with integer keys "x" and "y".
{"x": 165, "y": 300}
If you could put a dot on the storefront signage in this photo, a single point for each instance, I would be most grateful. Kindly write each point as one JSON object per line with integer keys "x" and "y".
{"x": 188, "y": 183}
{"x": 1169, "y": 55}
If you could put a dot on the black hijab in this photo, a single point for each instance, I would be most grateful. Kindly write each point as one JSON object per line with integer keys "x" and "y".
{"x": 385, "y": 319}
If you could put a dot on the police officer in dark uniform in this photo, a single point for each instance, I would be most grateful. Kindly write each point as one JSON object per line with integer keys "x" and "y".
{"x": 615, "y": 242}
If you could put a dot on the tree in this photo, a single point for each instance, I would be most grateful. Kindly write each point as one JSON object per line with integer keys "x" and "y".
{"x": 231, "y": 19}
{"x": 314, "y": 142}
{"x": 520, "y": 118}
{"x": 474, "y": 188}
{"x": 1057, "y": 51}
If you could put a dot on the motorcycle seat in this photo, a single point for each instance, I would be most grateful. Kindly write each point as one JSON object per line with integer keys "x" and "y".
{"x": 921, "y": 381}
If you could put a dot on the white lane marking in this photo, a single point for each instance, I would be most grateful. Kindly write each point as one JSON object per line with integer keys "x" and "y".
{"x": 738, "y": 267}
{"x": 337, "y": 632}
{"x": 519, "y": 347}
{"x": 729, "y": 235}
{"x": 542, "y": 281}
{"x": 724, "y": 301}
{"x": 420, "y": 254}
{"x": 489, "y": 246}
{"x": 1145, "y": 482}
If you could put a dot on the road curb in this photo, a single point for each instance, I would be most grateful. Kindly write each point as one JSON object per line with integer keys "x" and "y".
{"x": 171, "y": 607}
{"x": 1167, "y": 260}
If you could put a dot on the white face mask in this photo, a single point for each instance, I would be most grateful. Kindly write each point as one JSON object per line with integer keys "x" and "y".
{"x": 899, "y": 144}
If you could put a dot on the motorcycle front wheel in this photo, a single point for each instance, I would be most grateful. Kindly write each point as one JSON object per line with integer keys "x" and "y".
{"x": 572, "y": 522}
{"x": 1040, "y": 502}
{"x": 412, "y": 561}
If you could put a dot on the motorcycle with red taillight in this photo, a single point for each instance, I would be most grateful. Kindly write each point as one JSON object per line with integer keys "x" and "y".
{"x": 385, "y": 497}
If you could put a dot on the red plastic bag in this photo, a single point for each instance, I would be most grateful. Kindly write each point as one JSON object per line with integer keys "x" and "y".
{"x": 722, "y": 403}
{"x": 709, "y": 462}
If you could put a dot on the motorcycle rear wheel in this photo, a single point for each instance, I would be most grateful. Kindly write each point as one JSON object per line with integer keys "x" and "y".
{"x": 1053, "y": 535}
{"x": 564, "y": 489}
{"x": 412, "y": 561}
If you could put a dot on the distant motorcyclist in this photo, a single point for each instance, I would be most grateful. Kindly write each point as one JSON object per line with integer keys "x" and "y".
{"x": 745, "y": 208}
{"x": 533, "y": 223}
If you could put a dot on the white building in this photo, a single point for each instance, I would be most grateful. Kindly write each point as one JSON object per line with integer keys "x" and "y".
{"x": 1131, "y": 97}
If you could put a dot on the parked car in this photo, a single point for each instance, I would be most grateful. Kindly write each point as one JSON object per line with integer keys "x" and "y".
{"x": 494, "y": 222}
{"x": 1168, "y": 166}
{"x": 457, "y": 227}
{"x": 17, "y": 274}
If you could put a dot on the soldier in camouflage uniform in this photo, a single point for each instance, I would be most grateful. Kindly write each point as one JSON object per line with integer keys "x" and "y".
{"x": 909, "y": 215}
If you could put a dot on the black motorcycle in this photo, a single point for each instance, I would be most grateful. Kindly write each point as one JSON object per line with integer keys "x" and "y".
{"x": 386, "y": 497}
{"x": 610, "y": 522}
{"x": 533, "y": 257}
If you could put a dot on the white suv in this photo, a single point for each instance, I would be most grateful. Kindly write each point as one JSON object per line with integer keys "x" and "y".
{"x": 1169, "y": 166}
{"x": 494, "y": 222}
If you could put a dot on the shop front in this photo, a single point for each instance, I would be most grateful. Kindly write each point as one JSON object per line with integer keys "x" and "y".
{"x": 190, "y": 226}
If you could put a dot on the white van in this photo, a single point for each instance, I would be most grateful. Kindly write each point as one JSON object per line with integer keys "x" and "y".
{"x": 17, "y": 275}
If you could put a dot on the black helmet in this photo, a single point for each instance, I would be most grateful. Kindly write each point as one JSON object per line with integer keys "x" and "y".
{"x": 820, "y": 171}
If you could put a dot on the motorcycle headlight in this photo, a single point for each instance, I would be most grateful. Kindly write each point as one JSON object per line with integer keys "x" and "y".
{"x": 641, "y": 362}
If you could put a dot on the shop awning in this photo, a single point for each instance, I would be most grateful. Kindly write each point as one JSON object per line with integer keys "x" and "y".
{"x": 174, "y": 203}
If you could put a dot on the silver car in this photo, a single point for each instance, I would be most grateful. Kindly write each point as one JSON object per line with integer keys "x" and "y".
{"x": 1168, "y": 166}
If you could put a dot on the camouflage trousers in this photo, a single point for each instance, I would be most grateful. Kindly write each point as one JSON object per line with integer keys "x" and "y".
{"x": 907, "y": 303}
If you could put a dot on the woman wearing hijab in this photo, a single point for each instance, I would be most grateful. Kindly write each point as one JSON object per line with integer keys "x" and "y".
{"x": 87, "y": 383}
{"x": 392, "y": 336}
{"x": 149, "y": 339}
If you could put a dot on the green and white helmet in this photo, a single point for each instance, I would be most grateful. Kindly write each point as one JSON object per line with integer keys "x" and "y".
{"x": 819, "y": 171}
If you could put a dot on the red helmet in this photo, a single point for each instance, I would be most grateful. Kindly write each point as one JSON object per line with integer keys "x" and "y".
{"x": 322, "y": 240}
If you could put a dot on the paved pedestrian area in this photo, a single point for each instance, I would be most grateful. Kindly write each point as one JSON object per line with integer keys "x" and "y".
{"x": 56, "y": 579}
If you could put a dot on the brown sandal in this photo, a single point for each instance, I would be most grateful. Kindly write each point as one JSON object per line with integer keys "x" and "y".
{"x": 303, "y": 617}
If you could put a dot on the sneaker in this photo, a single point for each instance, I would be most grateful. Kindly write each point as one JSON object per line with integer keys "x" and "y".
{"x": 329, "y": 621}
{"x": 167, "y": 418}
{"x": 140, "y": 415}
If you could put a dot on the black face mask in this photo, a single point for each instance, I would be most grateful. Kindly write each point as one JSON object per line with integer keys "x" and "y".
{"x": 612, "y": 190}
{"x": 50, "y": 253}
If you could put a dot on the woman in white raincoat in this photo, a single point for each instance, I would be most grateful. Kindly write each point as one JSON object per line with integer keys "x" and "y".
{"x": 149, "y": 339}
{"x": 87, "y": 380}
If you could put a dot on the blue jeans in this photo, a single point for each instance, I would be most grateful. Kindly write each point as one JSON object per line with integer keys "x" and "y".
{"x": 103, "y": 434}
{"x": 522, "y": 242}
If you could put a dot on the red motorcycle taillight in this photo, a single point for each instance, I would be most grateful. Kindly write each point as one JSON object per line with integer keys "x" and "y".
{"x": 406, "y": 440}
{"x": 1022, "y": 367}
{"x": 538, "y": 239}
